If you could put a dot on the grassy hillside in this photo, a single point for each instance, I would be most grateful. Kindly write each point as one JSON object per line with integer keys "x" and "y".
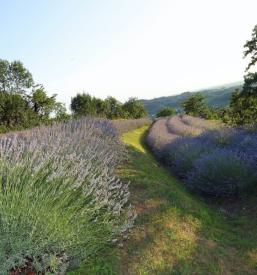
{"x": 175, "y": 232}
{"x": 216, "y": 97}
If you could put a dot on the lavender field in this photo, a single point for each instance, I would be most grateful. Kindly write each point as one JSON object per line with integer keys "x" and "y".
{"x": 60, "y": 200}
{"x": 210, "y": 158}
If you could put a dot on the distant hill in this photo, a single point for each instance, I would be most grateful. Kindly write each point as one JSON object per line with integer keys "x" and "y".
{"x": 216, "y": 96}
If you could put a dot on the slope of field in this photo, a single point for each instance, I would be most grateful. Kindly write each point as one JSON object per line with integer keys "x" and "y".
{"x": 175, "y": 232}
{"x": 216, "y": 97}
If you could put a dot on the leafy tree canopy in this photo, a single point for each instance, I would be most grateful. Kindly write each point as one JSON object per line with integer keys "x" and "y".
{"x": 23, "y": 104}
{"x": 194, "y": 105}
{"x": 243, "y": 105}
{"x": 166, "y": 111}
{"x": 134, "y": 108}
{"x": 251, "y": 49}
{"x": 14, "y": 77}
{"x": 111, "y": 108}
{"x": 42, "y": 104}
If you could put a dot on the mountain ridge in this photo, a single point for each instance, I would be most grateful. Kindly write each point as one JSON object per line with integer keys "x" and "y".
{"x": 217, "y": 96}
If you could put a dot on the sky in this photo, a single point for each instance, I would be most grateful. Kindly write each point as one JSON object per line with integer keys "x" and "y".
{"x": 127, "y": 48}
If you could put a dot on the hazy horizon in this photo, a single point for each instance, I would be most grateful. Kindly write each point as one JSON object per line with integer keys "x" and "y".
{"x": 143, "y": 48}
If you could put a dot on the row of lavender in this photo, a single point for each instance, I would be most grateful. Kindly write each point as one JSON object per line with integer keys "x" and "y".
{"x": 210, "y": 158}
{"x": 60, "y": 201}
{"x": 125, "y": 125}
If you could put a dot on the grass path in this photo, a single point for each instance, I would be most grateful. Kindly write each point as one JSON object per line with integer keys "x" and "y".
{"x": 176, "y": 233}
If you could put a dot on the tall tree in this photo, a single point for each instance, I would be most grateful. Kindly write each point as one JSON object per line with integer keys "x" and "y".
{"x": 14, "y": 77}
{"x": 14, "y": 110}
{"x": 134, "y": 108}
{"x": 243, "y": 103}
{"x": 20, "y": 78}
{"x": 194, "y": 105}
{"x": 60, "y": 112}
{"x": 4, "y": 75}
{"x": 114, "y": 108}
{"x": 251, "y": 49}
{"x": 82, "y": 105}
{"x": 250, "y": 80}
{"x": 166, "y": 111}
{"x": 42, "y": 104}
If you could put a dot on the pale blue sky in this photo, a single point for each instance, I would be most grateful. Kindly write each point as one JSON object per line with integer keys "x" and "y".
{"x": 123, "y": 48}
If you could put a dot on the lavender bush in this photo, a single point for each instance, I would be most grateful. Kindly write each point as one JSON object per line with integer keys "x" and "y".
{"x": 159, "y": 137}
{"x": 210, "y": 159}
{"x": 176, "y": 126}
{"x": 59, "y": 199}
{"x": 182, "y": 152}
{"x": 200, "y": 123}
{"x": 125, "y": 125}
{"x": 220, "y": 173}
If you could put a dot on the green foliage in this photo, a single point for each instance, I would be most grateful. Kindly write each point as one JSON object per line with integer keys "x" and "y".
{"x": 14, "y": 77}
{"x": 111, "y": 108}
{"x": 243, "y": 105}
{"x": 114, "y": 108}
{"x": 251, "y": 49}
{"x": 42, "y": 104}
{"x": 61, "y": 112}
{"x": 82, "y": 105}
{"x": 15, "y": 112}
{"x": 22, "y": 104}
{"x": 194, "y": 105}
{"x": 134, "y": 108}
{"x": 4, "y": 75}
{"x": 166, "y": 111}
{"x": 250, "y": 84}
{"x": 243, "y": 109}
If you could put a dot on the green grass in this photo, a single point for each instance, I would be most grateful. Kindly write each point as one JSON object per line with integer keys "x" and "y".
{"x": 175, "y": 232}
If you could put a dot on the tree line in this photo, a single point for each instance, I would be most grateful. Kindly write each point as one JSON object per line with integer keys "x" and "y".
{"x": 25, "y": 104}
{"x": 85, "y": 104}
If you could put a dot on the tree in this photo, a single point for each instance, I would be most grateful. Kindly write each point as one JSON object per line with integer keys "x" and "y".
{"x": 14, "y": 77}
{"x": 41, "y": 103}
{"x": 23, "y": 104}
{"x": 4, "y": 75}
{"x": 14, "y": 111}
{"x": 100, "y": 106}
{"x": 111, "y": 108}
{"x": 243, "y": 105}
{"x": 194, "y": 105}
{"x": 250, "y": 84}
{"x": 82, "y": 105}
{"x": 251, "y": 49}
{"x": 250, "y": 80}
{"x": 61, "y": 112}
{"x": 243, "y": 108}
{"x": 166, "y": 111}
{"x": 134, "y": 108}
{"x": 114, "y": 108}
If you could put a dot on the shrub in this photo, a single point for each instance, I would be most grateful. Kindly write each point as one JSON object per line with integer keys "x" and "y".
{"x": 220, "y": 173}
{"x": 166, "y": 111}
{"x": 177, "y": 126}
{"x": 217, "y": 161}
{"x": 198, "y": 122}
{"x": 125, "y": 125}
{"x": 59, "y": 199}
{"x": 182, "y": 153}
{"x": 159, "y": 137}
